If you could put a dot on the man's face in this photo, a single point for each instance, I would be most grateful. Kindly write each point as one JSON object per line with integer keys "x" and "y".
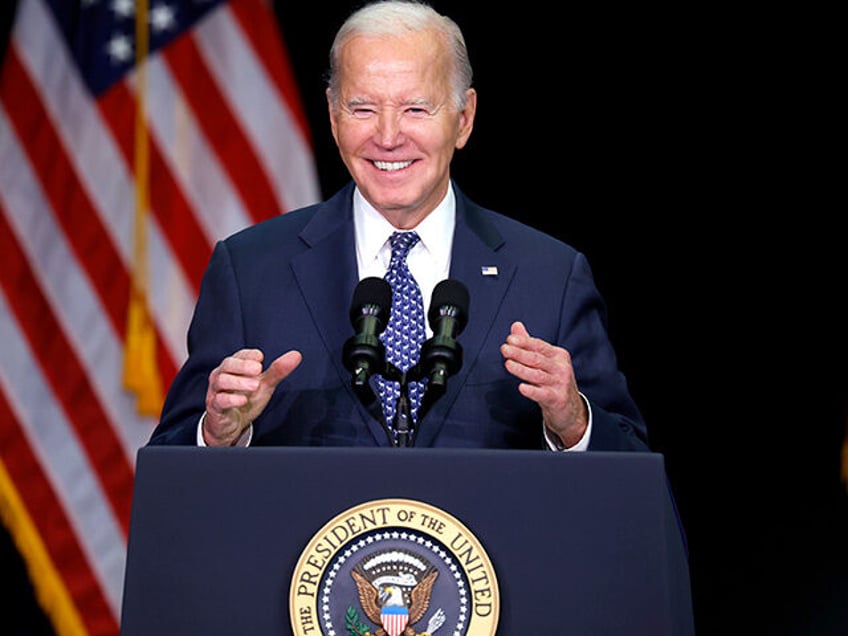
{"x": 397, "y": 126}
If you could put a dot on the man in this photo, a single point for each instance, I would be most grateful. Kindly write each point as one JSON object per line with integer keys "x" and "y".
{"x": 266, "y": 361}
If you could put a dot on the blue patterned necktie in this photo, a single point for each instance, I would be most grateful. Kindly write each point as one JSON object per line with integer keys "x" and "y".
{"x": 404, "y": 334}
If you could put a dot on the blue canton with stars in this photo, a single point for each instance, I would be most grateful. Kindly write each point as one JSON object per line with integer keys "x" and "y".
{"x": 100, "y": 34}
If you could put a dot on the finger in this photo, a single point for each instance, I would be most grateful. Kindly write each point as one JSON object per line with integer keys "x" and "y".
{"x": 518, "y": 329}
{"x": 231, "y": 382}
{"x": 249, "y": 354}
{"x": 282, "y": 367}
{"x": 222, "y": 402}
{"x": 533, "y": 392}
{"x": 244, "y": 362}
{"x": 526, "y": 373}
{"x": 520, "y": 337}
{"x": 518, "y": 334}
{"x": 529, "y": 352}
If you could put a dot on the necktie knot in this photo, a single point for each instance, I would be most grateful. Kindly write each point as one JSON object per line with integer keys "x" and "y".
{"x": 401, "y": 243}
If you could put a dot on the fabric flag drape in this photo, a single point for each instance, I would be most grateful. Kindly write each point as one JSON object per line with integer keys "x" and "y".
{"x": 124, "y": 155}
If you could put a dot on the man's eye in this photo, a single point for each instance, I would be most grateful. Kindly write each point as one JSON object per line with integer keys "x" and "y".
{"x": 417, "y": 112}
{"x": 361, "y": 113}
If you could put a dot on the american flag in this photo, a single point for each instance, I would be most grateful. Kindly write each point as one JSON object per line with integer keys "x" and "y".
{"x": 132, "y": 137}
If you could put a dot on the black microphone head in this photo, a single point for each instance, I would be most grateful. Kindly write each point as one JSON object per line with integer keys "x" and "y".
{"x": 449, "y": 293}
{"x": 375, "y": 292}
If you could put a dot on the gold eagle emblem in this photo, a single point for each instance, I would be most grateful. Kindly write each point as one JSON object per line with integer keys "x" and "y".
{"x": 394, "y": 585}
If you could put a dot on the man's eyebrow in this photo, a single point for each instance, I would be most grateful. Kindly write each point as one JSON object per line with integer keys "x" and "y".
{"x": 416, "y": 101}
{"x": 359, "y": 101}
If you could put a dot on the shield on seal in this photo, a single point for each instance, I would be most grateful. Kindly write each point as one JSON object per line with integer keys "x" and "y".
{"x": 394, "y": 619}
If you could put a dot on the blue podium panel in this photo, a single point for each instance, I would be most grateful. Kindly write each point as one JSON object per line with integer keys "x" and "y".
{"x": 583, "y": 544}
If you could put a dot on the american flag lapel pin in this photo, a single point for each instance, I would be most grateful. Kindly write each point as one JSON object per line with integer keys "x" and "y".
{"x": 489, "y": 270}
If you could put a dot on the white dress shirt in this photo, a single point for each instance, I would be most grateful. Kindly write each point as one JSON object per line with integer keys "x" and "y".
{"x": 429, "y": 258}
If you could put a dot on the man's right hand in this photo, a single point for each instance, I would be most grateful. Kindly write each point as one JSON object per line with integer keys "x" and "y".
{"x": 239, "y": 390}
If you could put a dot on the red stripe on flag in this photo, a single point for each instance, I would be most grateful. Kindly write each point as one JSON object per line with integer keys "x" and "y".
{"x": 169, "y": 204}
{"x": 222, "y": 129}
{"x": 259, "y": 24}
{"x": 89, "y": 234}
{"x": 57, "y": 175}
{"x": 53, "y": 526}
{"x": 65, "y": 375}
{"x": 76, "y": 213}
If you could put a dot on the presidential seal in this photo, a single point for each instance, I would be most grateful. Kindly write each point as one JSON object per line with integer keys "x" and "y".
{"x": 394, "y": 567}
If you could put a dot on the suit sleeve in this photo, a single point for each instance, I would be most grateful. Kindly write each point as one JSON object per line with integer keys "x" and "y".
{"x": 617, "y": 423}
{"x": 216, "y": 331}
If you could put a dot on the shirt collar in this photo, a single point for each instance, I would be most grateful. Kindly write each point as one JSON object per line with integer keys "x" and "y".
{"x": 373, "y": 230}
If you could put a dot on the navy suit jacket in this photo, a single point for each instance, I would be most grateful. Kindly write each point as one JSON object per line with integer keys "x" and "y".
{"x": 287, "y": 283}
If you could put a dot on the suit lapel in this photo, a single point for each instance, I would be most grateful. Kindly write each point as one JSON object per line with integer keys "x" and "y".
{"x": 327, "y": 275}
{"x": 477, "y": 263}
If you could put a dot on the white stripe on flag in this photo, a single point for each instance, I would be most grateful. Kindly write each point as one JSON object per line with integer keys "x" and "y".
{"x": 88, "y": 453}
{"x": 103, "y": 170}
{"x": 55, "y": 444}
{"x": 76, "y": 306}
{"x": 207, "y": 186}
{"x": 253, "y": 98}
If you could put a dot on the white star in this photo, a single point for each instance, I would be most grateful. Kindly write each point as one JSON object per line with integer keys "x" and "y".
{"x": 119, "y": 48}
{"x": 124, "y": 8}
{"x": 162, "y": 17}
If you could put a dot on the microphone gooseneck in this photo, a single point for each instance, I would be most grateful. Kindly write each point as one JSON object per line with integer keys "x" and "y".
{"x": 364, "y": 353}
{"x": 441, "y": 355}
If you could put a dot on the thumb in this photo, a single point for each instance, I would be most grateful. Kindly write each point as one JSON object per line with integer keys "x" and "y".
{"x": 280, "y": 368}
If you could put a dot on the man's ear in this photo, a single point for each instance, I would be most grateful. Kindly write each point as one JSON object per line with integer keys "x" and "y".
{"x": 466, "y": 118}
{"x": 332, "y": 114}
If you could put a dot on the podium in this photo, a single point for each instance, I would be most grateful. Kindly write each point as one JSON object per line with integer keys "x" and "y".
{"x": 583, "y": 544}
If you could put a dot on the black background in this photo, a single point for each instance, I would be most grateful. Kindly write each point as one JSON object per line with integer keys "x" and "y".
{"x": 674, "y": 148}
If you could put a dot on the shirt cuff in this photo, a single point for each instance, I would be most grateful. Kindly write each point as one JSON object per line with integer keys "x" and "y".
{"x": 554, "y": 442}
{"x": 243, "y": 440}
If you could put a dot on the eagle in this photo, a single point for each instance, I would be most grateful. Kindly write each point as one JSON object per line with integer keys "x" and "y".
{"x": 385, "y": 604}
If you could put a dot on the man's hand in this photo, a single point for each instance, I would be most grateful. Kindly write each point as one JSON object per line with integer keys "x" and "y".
{"x": 547, "y": 378}
{"x": 239, "y": 391}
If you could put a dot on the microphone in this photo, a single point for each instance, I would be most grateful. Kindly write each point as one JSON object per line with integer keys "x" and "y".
{"x": 441, "y": 355}
{"x": 363, "y": 353}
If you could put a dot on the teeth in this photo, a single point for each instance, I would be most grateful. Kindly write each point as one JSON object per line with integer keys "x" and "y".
{"x": 392, "y": 165}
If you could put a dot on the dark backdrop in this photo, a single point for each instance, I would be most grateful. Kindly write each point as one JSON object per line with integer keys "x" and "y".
{"x": 666, "y": 145}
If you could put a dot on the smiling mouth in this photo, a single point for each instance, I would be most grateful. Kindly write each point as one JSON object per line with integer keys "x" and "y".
{"x": 391, "y": 166}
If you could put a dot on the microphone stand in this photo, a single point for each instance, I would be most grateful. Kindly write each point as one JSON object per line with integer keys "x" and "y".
{"x": 404, "y": 430}
{"x": 403, "y": 423}
{"x": 437, "y": 363}
{"x": 403, "y": 416}
{"x": 401, "y": 432}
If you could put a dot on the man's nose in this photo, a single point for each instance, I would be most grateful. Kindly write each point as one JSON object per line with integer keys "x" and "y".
{"x": 389, "y": 129}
